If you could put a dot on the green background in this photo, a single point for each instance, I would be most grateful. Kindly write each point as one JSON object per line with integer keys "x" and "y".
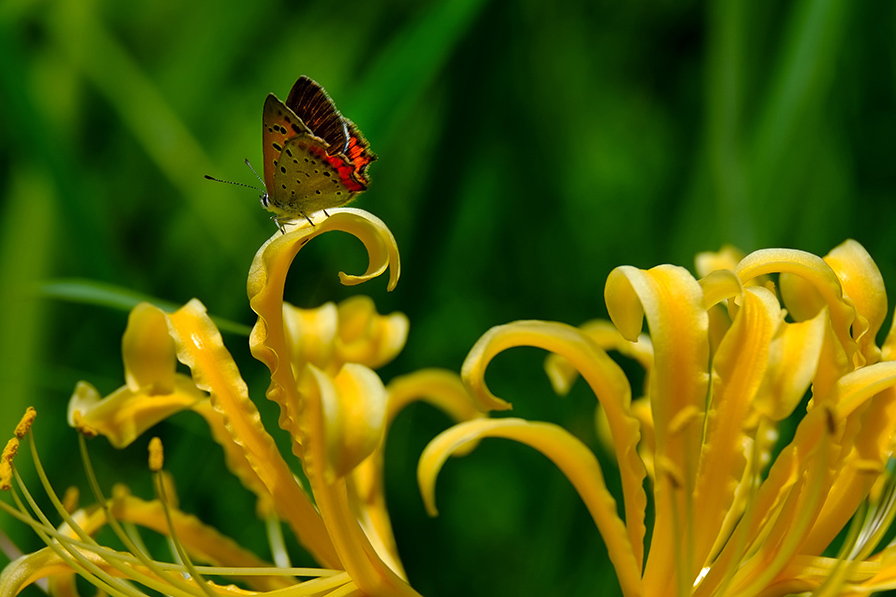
{"x": 525, "y": 149}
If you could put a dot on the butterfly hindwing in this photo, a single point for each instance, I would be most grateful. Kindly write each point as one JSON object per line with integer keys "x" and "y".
{"x": 359, "y": 154}
{"x": 307, "y": 179}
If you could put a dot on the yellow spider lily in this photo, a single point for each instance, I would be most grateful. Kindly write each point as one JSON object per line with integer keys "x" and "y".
{"x": 729, "y": 356}
{"x": 757, "y": 339}
{"x": 332, "y": 402}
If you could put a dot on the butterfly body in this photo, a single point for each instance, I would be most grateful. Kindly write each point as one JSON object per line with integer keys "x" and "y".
{"x": 314, "y": 158}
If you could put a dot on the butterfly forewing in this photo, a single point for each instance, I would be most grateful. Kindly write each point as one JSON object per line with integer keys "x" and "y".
{"x": 307, "y": 179}
{"x": 311, "y": 103}
{"x": 279, "y": 123}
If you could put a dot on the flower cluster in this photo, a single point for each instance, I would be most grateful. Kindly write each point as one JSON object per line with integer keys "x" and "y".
{"x": 739, "y": 507}
{"x": 333, "y": 404}
{"x": 729, "y": 357}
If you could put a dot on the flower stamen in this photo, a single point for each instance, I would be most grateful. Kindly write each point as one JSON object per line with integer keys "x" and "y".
{"x": 70, "y": 499}
{"x": 12, "y": 448}
{"x": 42, "y": 527}
{"x": 154, "y": 582}
{"x": 276, "y": 541}
{"x": 156, "y": 460}
{"x": 25, "y": 424}
{"x": 67, "y": 549}
{"x": 9, "y": 453}
{"x": 156, "y": 455}
{"x": 82, "y": 427}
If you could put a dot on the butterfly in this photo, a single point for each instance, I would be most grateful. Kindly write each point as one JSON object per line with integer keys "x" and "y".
{"x": 314, "y": 157}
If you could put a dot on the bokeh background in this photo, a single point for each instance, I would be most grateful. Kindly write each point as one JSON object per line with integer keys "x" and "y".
{"x": 525, "y": 149}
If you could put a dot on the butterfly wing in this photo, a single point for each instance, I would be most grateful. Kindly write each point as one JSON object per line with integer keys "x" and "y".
{"x": 314, "y": 158}
{"x": 310, "y": 102}
{"x": 279, "y": 123}
{"x": 358, "y": 153}
{"x": 307, "y": 179}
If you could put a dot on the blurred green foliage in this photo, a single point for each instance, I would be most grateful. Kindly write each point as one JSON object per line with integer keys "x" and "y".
{"x": 525, "y": 149}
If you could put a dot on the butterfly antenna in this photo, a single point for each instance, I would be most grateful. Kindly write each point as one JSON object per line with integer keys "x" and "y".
{"x": 254, "y": 172}
{"x": 239, "y": 184}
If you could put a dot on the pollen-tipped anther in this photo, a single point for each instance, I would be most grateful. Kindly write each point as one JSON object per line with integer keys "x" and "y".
{"x": 9, "y": 452}
{"x": 25, "y": 424}
{"x": 156, "y": 455}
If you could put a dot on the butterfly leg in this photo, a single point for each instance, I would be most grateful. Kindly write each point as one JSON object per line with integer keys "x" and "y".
{"x": 281, "y": 220}
{"x": 326, "y": 214}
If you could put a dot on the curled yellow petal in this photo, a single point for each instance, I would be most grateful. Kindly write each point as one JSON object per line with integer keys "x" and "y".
{"x": 739, "y": 366}
{"x": 350, "y": 332}
{"x": 860, "y": 385}
{"x": 200, "y": 347}
{"x": 311, "y": 335}
{"x": 354, "y": 409}
{"x": 153, "y": 392}
{"x": 725, "y": 258}
{"x": 720, "y": 285}
{"x": 602, "y": 374}
{"x": 336, "y": 502}
{"x": 571, "y": 456}
{"x": 863, "y": 285}
{"x": 801, "y": 304}
{"x": 672, "y": 301}
{"x": 267, "y": 277}
{"x": 365, "y": 336}
{"x": 441, "y": 388}
{"x": 562, "y": 373}
{"x": 124, "y": 415}
{"x": 148, "y": 351}
{"x": 268, "y": 269}
{"x": 803, "y": 301}
{"x": 792, "y": 365}
{"x": 866, "y": 400}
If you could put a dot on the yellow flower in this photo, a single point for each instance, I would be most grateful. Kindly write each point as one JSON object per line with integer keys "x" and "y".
{"x": 740, "y": 506}
{"x": 332, "y": 402}
{"x": 756, "y": 340}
